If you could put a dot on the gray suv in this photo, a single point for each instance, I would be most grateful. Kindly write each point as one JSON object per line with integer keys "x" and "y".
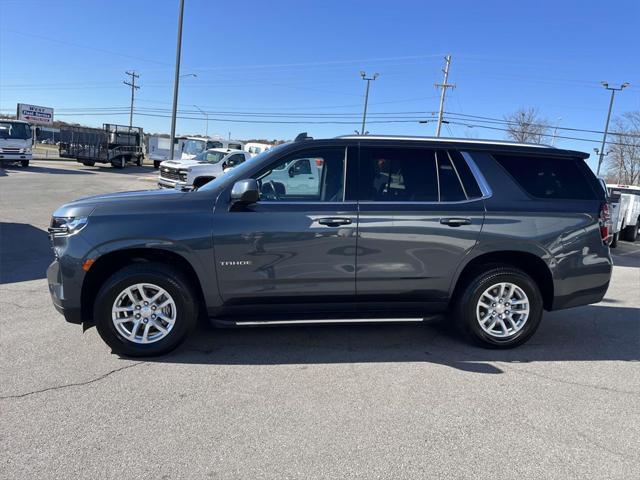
{"x": 355, "y": 228}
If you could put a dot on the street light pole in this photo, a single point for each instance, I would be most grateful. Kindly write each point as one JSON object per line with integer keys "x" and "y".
{"x": 606, "y": 126}
{"x": 366, "y": 98}
{"x": 206, "y": 116}
{"x": 176, "y": 80}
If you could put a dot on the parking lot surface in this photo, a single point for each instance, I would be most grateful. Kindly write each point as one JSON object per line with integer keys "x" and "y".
{"x": 379, "y": 401}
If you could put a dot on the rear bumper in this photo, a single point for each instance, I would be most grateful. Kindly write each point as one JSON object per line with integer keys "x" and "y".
{"x": 71, "y": 310}
{"x": 586, "y": 283}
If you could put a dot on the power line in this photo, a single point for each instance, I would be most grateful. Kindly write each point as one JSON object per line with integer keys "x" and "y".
{"x": 471, "y": 125}
{"x": 484, "y": 119}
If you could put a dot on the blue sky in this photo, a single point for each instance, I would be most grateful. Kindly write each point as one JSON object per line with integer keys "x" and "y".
{"x": 303, "y": 58}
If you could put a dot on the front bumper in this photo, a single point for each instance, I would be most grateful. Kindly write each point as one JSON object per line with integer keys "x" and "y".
{"x": 72, "y": 312}
{"x": 15, "y": 157}
{"x": 167, "y": 183}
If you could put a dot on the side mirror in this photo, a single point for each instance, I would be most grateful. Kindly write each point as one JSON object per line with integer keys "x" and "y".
{"x": 292, "y": 172}
{"x": 245, "y": 191}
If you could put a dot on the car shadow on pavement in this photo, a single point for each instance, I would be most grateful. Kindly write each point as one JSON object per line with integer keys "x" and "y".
{"x": 25, "y": 252}
{"x": 591, "y": 333}
{"x": 53, "y": 171}
{"x": 630, "y": 259}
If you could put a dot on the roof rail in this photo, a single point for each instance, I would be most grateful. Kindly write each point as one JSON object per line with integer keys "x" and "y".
{"x": 302, "y": 137}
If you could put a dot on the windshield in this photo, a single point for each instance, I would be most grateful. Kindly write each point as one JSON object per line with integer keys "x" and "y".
{"x": 240, "y": 172}
{"x": 210, "y": 157}
{"x": 14, "y": 130}
{"x": 193, "y": 147}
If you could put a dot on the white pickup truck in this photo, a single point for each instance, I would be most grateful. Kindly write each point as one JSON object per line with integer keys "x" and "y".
{"x": 203, "y": 168}
{"x": 625, "y": 212}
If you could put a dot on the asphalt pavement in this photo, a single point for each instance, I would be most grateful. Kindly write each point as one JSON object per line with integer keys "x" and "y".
{"x": 379, "y": 401}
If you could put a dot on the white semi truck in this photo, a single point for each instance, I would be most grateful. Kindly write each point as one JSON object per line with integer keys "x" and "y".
{"x": 16, "y": 141}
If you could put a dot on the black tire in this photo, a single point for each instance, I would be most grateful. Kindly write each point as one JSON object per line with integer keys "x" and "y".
{"x": 88, "y": 163}
{"x": 139, "y": 161}
{"x": 24, "y": 163}
{"x": 173, "y": 282}
{"x": 156, "y": 164}
{"x": 614, "y": 240}
{"x": 466, "y": 302}
{"x": 631, "y": 233}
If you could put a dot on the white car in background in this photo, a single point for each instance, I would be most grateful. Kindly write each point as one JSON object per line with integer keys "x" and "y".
{"x": 201, "y": 169}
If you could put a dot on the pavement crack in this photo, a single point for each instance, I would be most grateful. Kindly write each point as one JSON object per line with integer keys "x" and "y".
{"x": 76, "y": 384}
{"x": 577, "y": 384}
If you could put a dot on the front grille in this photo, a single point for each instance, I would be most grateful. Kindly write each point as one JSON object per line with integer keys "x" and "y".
{"x": 170, "y": 173}
{"x": 10, "y": 150}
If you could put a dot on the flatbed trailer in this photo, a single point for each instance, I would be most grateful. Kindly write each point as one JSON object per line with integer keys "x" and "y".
{"x": 114, "y": 144}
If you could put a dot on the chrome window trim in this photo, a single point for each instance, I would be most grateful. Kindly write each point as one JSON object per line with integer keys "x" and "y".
{"x": 370, "y": 202}
{"x": 475, "y": 171}
{"x": 464, "y": 190}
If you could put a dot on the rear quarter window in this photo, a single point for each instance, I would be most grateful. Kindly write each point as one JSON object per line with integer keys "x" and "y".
{"x": 549, "y": 177}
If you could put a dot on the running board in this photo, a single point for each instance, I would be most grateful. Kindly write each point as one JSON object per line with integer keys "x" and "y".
{"x": 320, "y": 322}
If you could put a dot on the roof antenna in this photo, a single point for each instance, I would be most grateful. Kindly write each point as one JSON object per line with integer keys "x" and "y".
{"x": 303, "y": 136}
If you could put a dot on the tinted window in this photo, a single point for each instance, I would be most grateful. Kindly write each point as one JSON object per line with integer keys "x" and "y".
{"x": 464, "y": 172}
{"x": 312, "y": 175}
{"x": 450, "y": 187}
{"x": 548, "y": 177}
{"x": 398, "y": 175}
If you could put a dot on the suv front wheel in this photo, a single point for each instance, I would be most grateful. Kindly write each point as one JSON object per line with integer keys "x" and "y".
{"x": 145, "y": 310}
{"x": 500, "y": 308}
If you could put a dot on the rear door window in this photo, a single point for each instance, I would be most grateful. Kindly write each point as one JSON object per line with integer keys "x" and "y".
{"x": 398, "y": 174}
{"x": 469, "y": 182}
{"x": 548, "y": 177}
{"x": 450, "y": 187}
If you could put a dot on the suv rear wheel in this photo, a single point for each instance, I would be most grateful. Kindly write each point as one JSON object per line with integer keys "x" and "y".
{"x": 500, "y": 308}
{"x": 145, "y": 310}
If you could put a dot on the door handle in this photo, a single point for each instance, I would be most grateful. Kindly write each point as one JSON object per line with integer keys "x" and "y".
{"x": 455, "y": 222}
{"x": 334, "y": 221}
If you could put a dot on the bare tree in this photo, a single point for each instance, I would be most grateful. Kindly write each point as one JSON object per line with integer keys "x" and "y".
{"x": 527, "y": 126}
{"x": 623, "y": 154}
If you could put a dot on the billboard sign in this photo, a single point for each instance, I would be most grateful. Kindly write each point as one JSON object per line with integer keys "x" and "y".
{"x": 35, "y": 114}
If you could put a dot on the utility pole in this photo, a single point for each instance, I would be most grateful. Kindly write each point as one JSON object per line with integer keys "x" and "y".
{"x": 606, "y": 126}
{"x": 134, "y": 87}
{"x": 366, "y": 98}
{"x": 444, "y": 87}
{"x": 206, "y": 116}
{"x": 176, "y": 80}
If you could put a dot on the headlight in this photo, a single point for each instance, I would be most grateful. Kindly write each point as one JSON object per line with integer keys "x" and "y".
{"x": 27, "y": 150}
{"x": 183, "y": 175}
{"x": 62, "y": 226}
